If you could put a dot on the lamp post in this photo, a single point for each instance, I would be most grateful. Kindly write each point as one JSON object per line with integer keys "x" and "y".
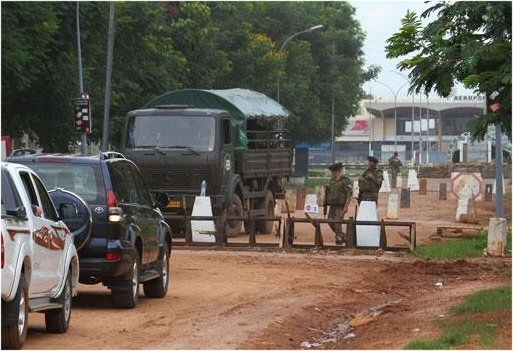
{"x": 412, "y": 113}
{"x": 395, "y": 107}
{"x": 319, "y": 26}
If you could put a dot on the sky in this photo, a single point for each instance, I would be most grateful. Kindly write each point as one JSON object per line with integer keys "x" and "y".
{"x": 380, "y": 20}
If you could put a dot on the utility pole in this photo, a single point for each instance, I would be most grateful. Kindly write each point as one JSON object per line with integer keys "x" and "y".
{"x": 110, "y": 49}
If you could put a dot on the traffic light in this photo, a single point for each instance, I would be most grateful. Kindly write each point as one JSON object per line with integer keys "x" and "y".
{"x": 83, "y": 114}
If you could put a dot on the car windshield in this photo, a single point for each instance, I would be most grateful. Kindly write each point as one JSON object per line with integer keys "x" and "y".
{"x": 82, "y": 179}
{"x": 181, "y": 132}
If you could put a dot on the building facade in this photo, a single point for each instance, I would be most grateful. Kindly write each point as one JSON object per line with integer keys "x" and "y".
{"x": 422, "y": 130}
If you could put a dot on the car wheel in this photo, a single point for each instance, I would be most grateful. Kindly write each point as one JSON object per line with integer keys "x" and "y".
{"x": 57, "y": 320}
{"x": 128, "y": 297}
{"x": 158, "y": 287}
{"x": 266, "y": 227}
{"x": 14, "y": 335}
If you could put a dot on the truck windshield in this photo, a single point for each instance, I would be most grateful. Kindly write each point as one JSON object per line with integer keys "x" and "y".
{"x": 182, "y": 132}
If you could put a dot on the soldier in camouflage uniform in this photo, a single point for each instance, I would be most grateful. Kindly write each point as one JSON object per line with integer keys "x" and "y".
{"x": 395, "y": 166}
{"x": 337, "y": 197}
{"x": 370, "y": 182}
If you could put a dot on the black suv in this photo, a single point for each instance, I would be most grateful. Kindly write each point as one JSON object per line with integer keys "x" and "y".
{"x": 129, "y": 242}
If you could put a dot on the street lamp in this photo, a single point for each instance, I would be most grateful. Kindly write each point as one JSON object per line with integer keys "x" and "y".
{"x": 412, "y": 112}
{"x": 395, "y": 107}
{"x": 319, "y": 26}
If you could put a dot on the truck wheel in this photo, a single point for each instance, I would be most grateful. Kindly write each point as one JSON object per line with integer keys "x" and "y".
{"x": 266, "y": 227}
{"x": 57, "y": 320}
{"x": 14, "y": 335}
{"x": 158, "y": 287}
{"x": 128, "y": 298}
{"x": 234, "y": 227}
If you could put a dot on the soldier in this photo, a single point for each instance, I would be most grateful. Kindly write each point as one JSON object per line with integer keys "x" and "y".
{"x": 337, "y": 197}
{"x": 394, "y": 163}
{"x": 370, "y": 182}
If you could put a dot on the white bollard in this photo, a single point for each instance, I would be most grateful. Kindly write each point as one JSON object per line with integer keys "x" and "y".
{"x": 393, "y": 204}
{"x": 385, "y": 186}
{"x": 202, "y": 231}
{"x": 367, "y": 235}
{"x": 497, "y": 237}
{"x": 413, "y": 181}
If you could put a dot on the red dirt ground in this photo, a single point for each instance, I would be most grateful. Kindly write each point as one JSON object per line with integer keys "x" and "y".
{"x": 296, "y": 299}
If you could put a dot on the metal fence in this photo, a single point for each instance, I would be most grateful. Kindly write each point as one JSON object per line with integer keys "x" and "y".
{"x": 324, "y": 157}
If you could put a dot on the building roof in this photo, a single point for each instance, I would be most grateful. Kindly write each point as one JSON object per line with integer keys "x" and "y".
{"x": 387, "y": 109}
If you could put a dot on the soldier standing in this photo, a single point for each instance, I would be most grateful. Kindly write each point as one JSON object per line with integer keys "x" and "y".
{"x": 394, "y": 163}
{"x": 337, "y": 197}
{"x": 370, "y": 182}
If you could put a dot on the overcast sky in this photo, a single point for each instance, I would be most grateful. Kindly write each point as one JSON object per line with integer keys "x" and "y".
{"x": 380, "y": 20}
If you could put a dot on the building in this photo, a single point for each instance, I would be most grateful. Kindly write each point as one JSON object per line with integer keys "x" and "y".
{"x": 421, "y": 130}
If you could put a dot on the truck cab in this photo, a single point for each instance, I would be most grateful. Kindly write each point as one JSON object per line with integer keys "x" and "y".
{"x": 177, "y": 148}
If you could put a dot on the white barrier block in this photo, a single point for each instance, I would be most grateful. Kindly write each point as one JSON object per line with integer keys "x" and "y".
{"x": 367, "y": 235}
{"x": 399, "y": 182}
{"x": 356, "y": 189}
{"x": 413, "y": 181}
{"x": 463, "y": 206}
{"x": 497, "y": 237}
{"x": 385, "y": 186}
{"x": 393, "y": 204}
{"x": 203, "y": 231}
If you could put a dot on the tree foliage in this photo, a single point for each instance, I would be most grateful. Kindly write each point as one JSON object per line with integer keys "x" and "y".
{"x": 162, "y": 46}
{"x": 468, "y": 42}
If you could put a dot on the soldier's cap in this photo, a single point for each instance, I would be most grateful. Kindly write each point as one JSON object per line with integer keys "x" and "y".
{"x": 335, "y": 167}
{"x": 372, "y": 159}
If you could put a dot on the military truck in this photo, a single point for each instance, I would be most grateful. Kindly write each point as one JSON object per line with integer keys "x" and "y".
{"x": 234, "y": 142}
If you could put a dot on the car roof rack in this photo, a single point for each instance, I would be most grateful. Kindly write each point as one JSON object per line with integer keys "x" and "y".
{"x": 111, "y": 154}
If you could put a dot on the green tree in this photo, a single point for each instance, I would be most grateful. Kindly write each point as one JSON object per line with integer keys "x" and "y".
{"x": 469, "y": 42}
{"x": 162, "y": 46}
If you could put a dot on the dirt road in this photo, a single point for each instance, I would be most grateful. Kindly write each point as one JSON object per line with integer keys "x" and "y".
{"x": 255, "y": 299}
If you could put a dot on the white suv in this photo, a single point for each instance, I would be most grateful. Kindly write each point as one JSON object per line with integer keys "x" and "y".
{"x": 40, "y": 264}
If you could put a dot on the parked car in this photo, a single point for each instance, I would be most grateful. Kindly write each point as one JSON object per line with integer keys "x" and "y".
{"x": 40, "y": 264}
{"x": 130, "y": 242}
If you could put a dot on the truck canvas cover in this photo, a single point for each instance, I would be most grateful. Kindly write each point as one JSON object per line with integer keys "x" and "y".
{"x": 242, "y": 104}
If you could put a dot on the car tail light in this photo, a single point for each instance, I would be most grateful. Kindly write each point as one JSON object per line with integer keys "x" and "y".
{"x": 113, "y": 256}
{"x": 112, "y": 201}
{"x": 115, "y": 212}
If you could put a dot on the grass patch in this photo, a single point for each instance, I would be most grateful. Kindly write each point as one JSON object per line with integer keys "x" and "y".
{"x": 459, "y": 332}
{"x": 488, "y": 300}
{"x": 457, "y": 248}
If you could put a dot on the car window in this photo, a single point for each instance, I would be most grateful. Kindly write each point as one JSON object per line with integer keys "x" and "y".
{"x": 142, "y": 189}
{"x": 85, "y": 180}
{"x": 38, "y": 195}
{"x": 128, "y": 184}
{"x": 123, "y": 183}
{"x": 46, "y": 203}
{"x": 10, "y": 197}
{"x": 27, "y": 183}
